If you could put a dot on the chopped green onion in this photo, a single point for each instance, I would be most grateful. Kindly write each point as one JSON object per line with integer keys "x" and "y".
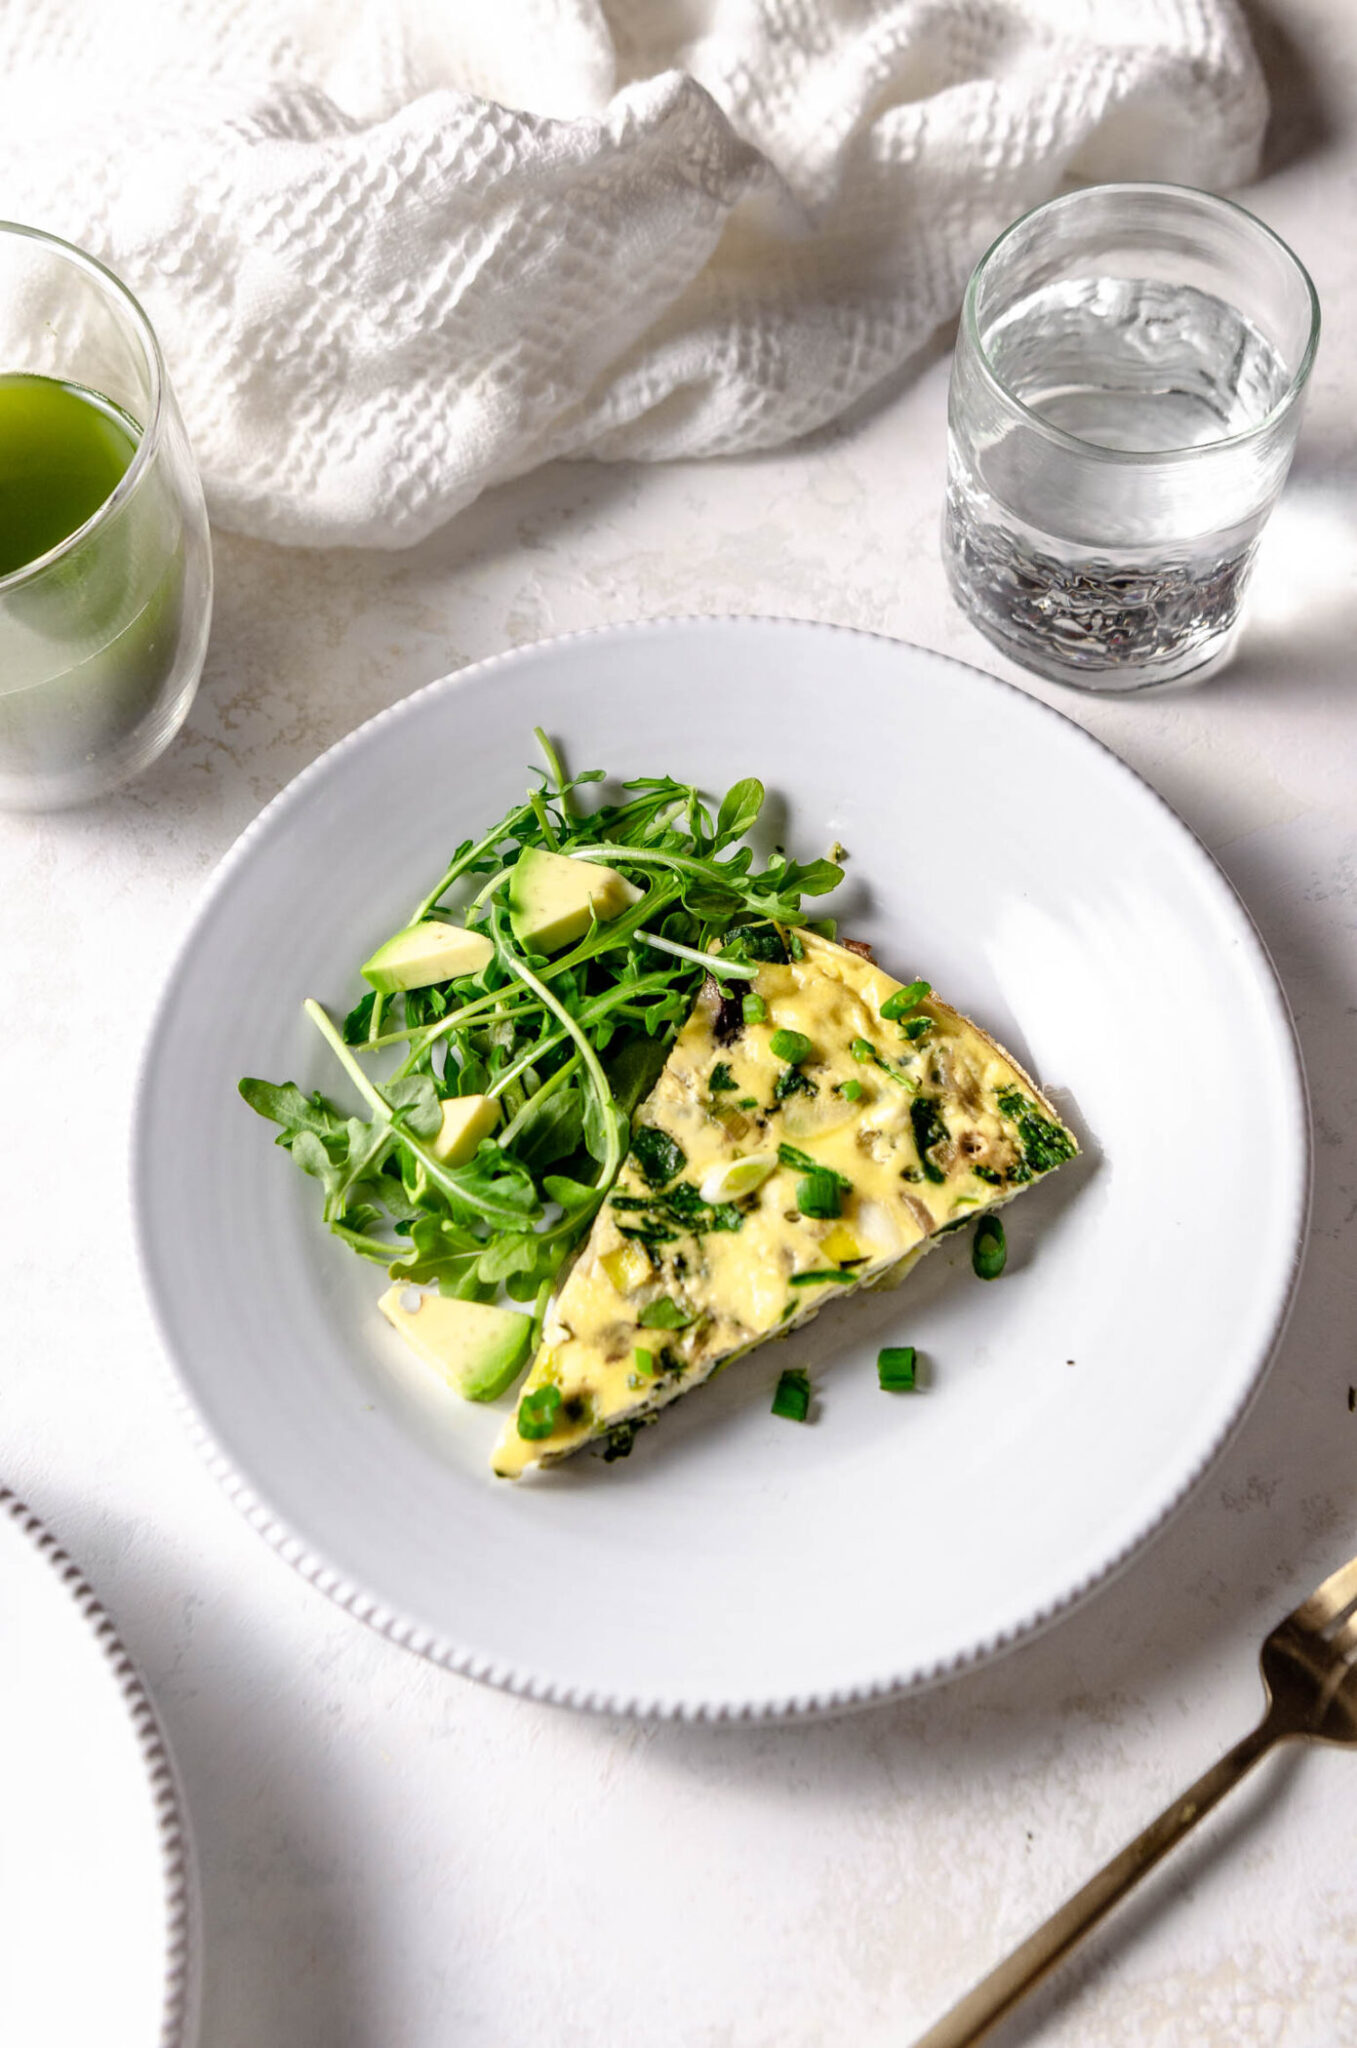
{"x": 895, "y": 1368}
{"x": 663, "y": 1314}
{"x": 644, "y": 1361}
{"x": 537, "y": 1413}
{"x": 989, "y": 1248}
{"x": 748, "y": 1102}
{"x": 819, "y": 1195}
{"x": 818, "y": 1277}
{"x": 862, "y": 1050}
{"x": 906, "y": 999}
{"x": 851, "y": 1091}
{"x": 792, "y": 1046}
{"x": 801, "y": 1162}
{"x": 915, "y": 1027}
{"x": 721, "y": 1080}
{"x": 737, "y": 1177}
{"x": 792, "y": 1397}
{"x": 754, "y": 1010}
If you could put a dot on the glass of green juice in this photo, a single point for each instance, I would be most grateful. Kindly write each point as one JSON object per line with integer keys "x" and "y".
{"x": 105, "y": 561}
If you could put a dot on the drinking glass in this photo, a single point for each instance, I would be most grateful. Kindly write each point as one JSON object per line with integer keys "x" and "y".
{"x": 1125, "y": 399}
{"x": 102, "y": 636}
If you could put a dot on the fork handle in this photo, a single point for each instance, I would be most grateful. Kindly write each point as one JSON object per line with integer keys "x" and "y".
{"x": 973, "y": 2016}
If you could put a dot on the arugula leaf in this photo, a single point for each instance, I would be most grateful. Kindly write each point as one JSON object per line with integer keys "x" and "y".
{"x": 740, "y": 806}
{"x": 550, "y": 1128}
{"x": 816, "y": 878}
{"x": 605, "y": 1128}
{"x": 313, "y": 1157}
{"x": 368, "y": 1145}
{"x": 512, "y": 1252}
{"x": 573, "y": 1196}
{"x": 366, "y": 1246}
{"x": 286, "y": 1105}
{"x": 440, "y": 1250}
{"x": 492, "y": 1188}
{"x": 568, "y": 1045}
{"x": 361, "y": 1219}
{"x": 357, "y": 1023}
{"x": 416, "y": 1099}
{"x": 634, "y": 1069}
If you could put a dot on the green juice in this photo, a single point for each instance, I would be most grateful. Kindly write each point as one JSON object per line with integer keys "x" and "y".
{"x": 90, "y": 643}
{"x": 62, "y": 452}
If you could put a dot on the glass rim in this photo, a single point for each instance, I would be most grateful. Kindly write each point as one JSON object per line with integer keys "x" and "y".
{"x": 1075, "y": 443}
{"x": 149, "y": 436}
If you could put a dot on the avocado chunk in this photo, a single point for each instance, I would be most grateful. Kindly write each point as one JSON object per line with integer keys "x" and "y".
{"x": 553, "y": 900}
{"x": 477, "y": 1348}
{"x": 425, "y": 953}
{"x": 466, "y": 1120}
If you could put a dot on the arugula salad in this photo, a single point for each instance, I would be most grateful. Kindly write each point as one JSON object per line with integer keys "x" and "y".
{"x": 509, "y": 1030}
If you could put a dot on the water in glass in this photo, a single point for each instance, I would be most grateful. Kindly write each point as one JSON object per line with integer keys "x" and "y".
{"x": 1134, "y": 567}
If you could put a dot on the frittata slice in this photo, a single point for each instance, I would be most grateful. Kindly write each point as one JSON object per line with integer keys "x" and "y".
{"x": 812, "y": 1132}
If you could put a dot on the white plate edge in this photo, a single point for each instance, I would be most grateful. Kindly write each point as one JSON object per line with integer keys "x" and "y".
{"x": 467, "y": 1663}
{"x": 179, "y": 2021}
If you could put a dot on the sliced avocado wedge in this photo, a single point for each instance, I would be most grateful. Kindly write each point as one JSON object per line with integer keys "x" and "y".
{"x": 477, "y": 1348}
{"x": 425, "y": 953}
{"x": 553, "y": 899}
{"x": 466, "y": 1120}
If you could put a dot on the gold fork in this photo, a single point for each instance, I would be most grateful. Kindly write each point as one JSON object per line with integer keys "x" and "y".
{"x": 1310, "y": 1678}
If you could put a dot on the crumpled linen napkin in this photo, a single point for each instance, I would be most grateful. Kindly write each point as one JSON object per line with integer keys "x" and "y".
{"x": 399, "y": 251}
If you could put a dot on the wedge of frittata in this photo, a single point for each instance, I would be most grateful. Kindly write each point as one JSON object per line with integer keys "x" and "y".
{"x": 812, "y": 1132}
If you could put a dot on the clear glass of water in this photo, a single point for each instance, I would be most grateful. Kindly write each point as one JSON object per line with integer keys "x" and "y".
{"x": 1125, "y": 399}
{"x": 105, "y": 560}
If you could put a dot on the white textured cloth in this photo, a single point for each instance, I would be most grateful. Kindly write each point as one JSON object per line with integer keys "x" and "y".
{"x": 398, "y": 250}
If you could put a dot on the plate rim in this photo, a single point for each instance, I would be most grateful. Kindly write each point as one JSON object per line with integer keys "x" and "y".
{"x": 178, "y": 1862}
{"x": 371, "y": 1609}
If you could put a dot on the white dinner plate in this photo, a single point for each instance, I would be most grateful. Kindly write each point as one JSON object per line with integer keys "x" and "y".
{"x": 738, "y": 1563}
{"x": 95, "y": 1867}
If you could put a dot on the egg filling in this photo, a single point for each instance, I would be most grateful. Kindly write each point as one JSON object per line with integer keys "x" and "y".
{"x": 812, "y": 1132}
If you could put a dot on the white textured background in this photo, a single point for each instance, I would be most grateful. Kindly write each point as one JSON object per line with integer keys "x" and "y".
{"x": 393, "y": 1858}
{"x": 374, "y": 236}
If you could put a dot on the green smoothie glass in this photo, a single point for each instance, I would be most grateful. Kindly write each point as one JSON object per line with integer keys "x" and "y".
{"x": 105, "y": 562}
